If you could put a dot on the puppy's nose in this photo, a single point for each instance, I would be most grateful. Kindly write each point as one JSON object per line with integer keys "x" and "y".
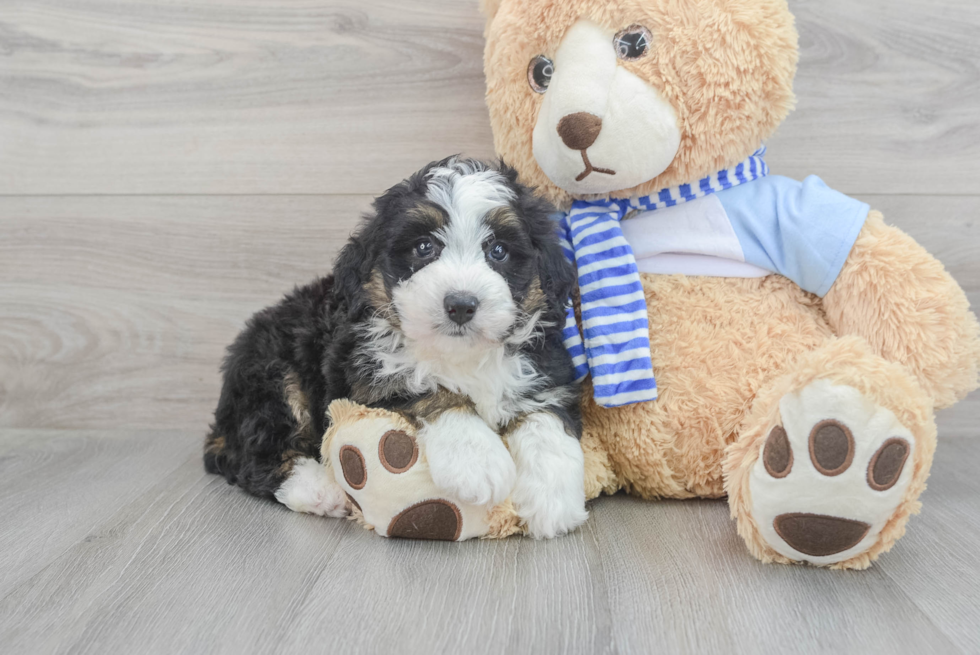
{"x": 460, "y": 307}
{"x": 579, "y": 130}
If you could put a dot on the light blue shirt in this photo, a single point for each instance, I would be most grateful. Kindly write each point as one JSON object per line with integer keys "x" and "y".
{"x": 802, "y": 230}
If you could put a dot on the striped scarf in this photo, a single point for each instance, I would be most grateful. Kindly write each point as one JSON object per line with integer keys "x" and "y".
{"x": 616, "y": 348}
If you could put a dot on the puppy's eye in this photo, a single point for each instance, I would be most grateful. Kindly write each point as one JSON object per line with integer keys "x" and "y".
{"x": 424, "y": 249}
{"x": 539, "y": 73}
{"x": 498, "y": 252}
{"x": 633, "y": 42}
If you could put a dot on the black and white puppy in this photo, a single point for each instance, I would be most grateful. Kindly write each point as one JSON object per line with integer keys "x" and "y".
{"x": 447, "y": 306}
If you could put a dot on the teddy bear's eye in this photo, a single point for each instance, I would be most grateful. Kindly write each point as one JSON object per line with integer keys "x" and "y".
{"x": 539, "y": 73}
{"x": 633, "y": 42}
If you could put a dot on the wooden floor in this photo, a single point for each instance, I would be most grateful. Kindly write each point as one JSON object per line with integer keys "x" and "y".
{"x": 169, "y": 167}
{"x": 118, "y": 542}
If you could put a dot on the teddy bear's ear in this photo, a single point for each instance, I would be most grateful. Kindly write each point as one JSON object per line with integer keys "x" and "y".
{"x": 489, "y": 8}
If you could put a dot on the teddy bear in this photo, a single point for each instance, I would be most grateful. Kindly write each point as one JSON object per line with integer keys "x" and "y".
{"x": 739, "y": 334}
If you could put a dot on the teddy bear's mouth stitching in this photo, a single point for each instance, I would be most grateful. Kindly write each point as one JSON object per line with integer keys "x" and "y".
{"x": 589, "y": 168}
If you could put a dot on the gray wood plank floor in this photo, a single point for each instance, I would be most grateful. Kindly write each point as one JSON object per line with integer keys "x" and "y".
{"x": 128, "y": 546}
{"x": 169, "y": 167}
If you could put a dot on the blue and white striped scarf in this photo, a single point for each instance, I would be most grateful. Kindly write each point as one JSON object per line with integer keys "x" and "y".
{"x": 616, "y": 349}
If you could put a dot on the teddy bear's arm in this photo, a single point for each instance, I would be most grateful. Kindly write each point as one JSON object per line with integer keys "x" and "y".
{"x": 900, "y": 298}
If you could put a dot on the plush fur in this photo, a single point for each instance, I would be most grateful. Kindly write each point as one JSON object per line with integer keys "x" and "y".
{"x": 901, "y": 300}
{"x": 848, "y": 361}
{"x": 895, "y": 331}
{"x": 726, "y": 66}
{"x": 381, "y": 331}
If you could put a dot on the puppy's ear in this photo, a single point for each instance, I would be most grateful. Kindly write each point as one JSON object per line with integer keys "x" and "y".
{"x": 557, "y": 280}
{"x": 350, "y": 272}
{"x": 556, "y": 274}
{"x": 357, "y": 260}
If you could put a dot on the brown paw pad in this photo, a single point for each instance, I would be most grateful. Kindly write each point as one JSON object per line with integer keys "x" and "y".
{"x": 397, "y": 451}
{"x": 431, "y": 519}
{"x": 819, "y": 536}
{"x": 352, "y": 463}
{"x": 831, "y": 447}
{"x": 887, "y": 464}
{"x": 778, "y": 454}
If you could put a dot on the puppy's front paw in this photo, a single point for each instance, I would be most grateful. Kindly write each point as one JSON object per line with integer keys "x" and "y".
{"x": 311, "y": 490}
{"x": 550, "y": 492}
{"x": 551, "y": 514}
{"x": 468, "y": 460}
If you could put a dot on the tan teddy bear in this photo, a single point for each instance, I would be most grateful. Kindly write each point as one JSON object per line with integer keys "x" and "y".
{"x": 739, "y": 333}
{"x": 799, "y": 344}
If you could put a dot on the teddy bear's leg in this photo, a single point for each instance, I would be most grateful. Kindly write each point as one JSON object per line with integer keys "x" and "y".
{"x": 829, "y": 464}
{"x": 902, "y": 300}
{"x": 599, "y": 474}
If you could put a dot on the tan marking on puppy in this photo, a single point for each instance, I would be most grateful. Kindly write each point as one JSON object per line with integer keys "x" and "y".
{"x": 503, "y": 217}
{"x": 298, "y": 403}
{"x": 432, "y": 406}
{"x": 299, "y": 406}
{"x": 428, "y": 214}
{"x": 377, "y": 293}
{"x": 214, "y": 445}
{"x": 379, "y": 299}
{"x": 535, "y": 300}
{"x": 509, "y": 428}
{"x": 288, "y": 460}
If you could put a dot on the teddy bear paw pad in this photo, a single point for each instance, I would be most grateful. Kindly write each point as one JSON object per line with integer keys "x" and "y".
{"x": 831, "y": 476}
{"x": 384, "y": 474}
{"x": 431, "y": 519}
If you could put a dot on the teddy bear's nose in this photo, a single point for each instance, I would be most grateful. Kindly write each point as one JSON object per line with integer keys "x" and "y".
{"x": 579, "y": 130}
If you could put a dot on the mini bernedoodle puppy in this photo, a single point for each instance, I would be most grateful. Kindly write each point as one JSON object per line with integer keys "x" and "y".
{"x": 447, "y": 306}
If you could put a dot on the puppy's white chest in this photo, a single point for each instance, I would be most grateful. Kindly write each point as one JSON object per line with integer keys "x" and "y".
{"x": 496, "y": 385}
{"x": 492, "y": 406}
{"x": 501, "y": 385}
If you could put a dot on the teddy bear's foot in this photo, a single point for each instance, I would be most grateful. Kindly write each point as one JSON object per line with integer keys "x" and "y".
{"x": 831, "y": 475}
{"x": 382, "y": 467}
{"x": 831, "y": 459}
{"x": 311, "y": 490}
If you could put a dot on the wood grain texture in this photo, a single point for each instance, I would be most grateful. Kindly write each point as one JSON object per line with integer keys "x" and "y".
{"x": 185, "y": 563}
{"x": 232, "y": 96}
{"x": 888, "y": 97}
{"x": 58, "y": 486}
{"x": 295, "y": 96}
{"x": 115, "y": 312}
{"x": 947, "y": 528}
